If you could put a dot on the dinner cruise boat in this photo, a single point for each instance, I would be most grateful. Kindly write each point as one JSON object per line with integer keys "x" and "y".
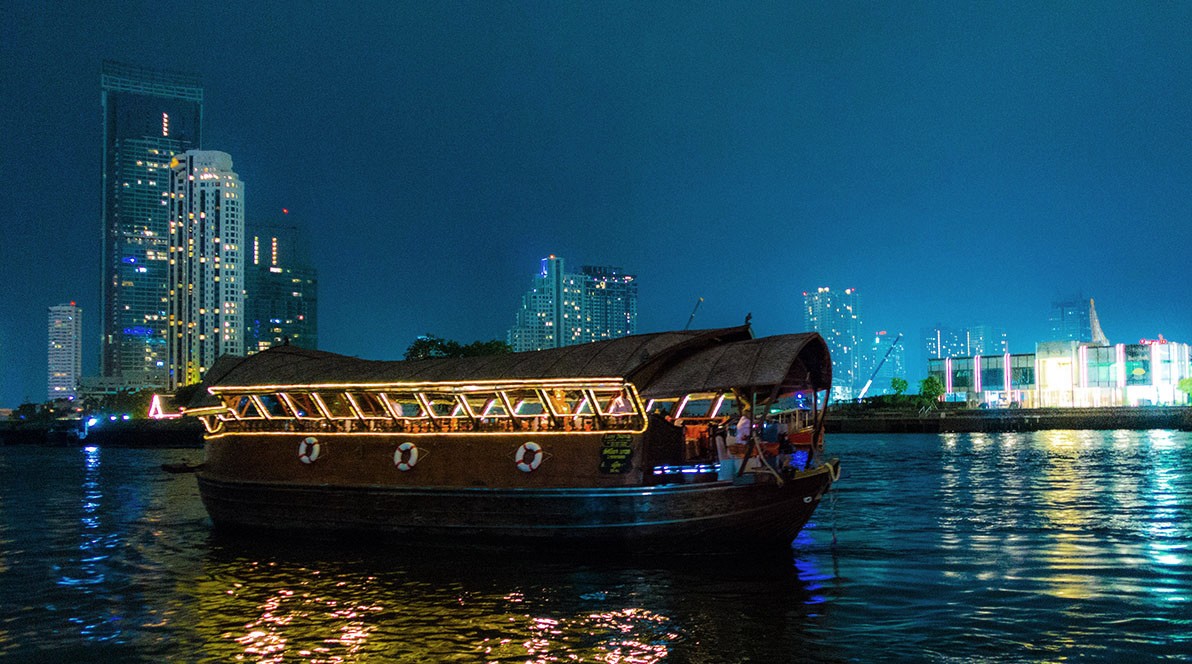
{"x": 628, "y": 442}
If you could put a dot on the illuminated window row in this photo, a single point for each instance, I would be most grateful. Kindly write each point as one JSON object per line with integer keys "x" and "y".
{"x": 454, "y": 409}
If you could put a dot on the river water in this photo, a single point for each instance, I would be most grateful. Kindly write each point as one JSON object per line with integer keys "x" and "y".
{"x": 959, "y": 547}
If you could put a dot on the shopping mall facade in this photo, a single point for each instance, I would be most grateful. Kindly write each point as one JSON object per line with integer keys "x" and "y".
{"x": 1069, "y": 374}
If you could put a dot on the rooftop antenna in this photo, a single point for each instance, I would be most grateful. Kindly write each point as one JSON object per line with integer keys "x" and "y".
{"x": 693, "y": 310}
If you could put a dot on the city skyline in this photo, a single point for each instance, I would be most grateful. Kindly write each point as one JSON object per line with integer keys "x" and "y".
{"x": 947, "y": 161}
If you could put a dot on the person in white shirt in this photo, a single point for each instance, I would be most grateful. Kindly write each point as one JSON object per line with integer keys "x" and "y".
{"x": 744, "y": 428}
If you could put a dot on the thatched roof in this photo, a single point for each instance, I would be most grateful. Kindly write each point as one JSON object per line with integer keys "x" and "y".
{"x": 661, "y": 363}
{"x": 794, "y": 361}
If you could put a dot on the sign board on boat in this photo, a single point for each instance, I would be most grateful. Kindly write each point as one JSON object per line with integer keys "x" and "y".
{"x": 616, "y": 451}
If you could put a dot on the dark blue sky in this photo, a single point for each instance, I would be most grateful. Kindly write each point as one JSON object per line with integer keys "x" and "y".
{"x": 956, "y": 163}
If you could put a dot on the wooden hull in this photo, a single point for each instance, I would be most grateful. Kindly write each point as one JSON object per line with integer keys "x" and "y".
{"x": 720, "y": 515}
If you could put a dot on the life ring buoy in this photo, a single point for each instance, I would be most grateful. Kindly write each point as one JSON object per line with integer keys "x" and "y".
{"x": 308, "y": 449}
{"x": 405, "y": 456}
{"x": 536, "y": 455}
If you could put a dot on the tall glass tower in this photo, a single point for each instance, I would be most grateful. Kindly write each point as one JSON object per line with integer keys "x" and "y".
{"x": 281, "y": 306}
{"x": 149, "y": 117}
{"x": 835, "y": 315}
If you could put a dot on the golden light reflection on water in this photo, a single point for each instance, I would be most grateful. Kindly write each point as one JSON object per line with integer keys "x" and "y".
{"x": 610, "y": 636}
{"x": 300, "y": 614}
{"x": 308, "y": 624}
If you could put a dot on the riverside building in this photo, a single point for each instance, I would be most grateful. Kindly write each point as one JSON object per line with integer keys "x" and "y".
{"x": 149, "y": 117}
{"x": 565, "y": 309}
{"x": 1070, "y": 374}
{"x": 206, "y": 265}
{"x": 836, "y": 316}
{"x": 65, "y": 358}
{"x": 281, "y": 303}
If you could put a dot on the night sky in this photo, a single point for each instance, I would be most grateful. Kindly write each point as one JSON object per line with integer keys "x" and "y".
{"x": 956, "y": 163}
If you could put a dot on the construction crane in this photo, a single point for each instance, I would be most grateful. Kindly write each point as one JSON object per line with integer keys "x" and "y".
{"x": 695, "y": 309}
{"x": 878, "y": 367}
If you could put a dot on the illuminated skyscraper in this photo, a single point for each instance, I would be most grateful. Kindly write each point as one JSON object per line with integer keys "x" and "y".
{"x": 610, "y": 303}
{"x": 206, "y": 296}
{"x": 65, "y": 352}
{"x": 551, "y": 313}
{"x": 149, "y": 117}
{"x": 562, "y": 309}
{"x": 281, "y": 305}
{"x": 835, "y": 315}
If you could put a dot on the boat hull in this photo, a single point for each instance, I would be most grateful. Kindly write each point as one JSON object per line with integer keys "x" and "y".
{"x": 709, "y": 515}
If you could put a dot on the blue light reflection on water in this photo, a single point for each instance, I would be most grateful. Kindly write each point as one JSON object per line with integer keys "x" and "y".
{"x": 987, "y": 546}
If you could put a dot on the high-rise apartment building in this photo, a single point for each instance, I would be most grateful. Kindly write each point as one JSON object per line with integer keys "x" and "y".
{"x": 148, "y": 117}
{"x": 836, "y": 316}
{"x": 65, "y": 352}
{"x": 206, "y": 265}
{"x": 281, "y": 303}
{"x": 564, "y": 309}
{"x": 610, "y": 303}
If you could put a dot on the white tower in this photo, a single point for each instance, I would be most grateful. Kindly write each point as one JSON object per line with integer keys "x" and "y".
{"x": 65, "y": 352}
{"x": 206, "y": 297}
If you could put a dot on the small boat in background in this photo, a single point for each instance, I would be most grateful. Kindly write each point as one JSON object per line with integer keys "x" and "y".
{"x": 613, "y": 442}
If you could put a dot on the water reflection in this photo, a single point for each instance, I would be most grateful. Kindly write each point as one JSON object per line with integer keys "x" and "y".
{"x": 1048, "y": 546}
{"x": 344, "y": 603}
{"x": 95, "y": 541}
{"x": 1049, "y": 543}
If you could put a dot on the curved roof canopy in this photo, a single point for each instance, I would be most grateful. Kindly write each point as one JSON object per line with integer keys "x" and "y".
{"x": 661, "y": 364}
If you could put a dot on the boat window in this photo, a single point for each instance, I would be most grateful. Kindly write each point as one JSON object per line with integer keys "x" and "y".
{"x": 336, "y": 404}
{"x": 584, "y": 407}
{"x": 494, "y": 408}
{"x": 525, "y": 402}
{"x": 662, "y": 406}
{"x": 273, "y": 406}
{"x": 370, "y": 405}
{"x": 444, "y": 404}
{"x": 303, "y": 405}
{"x": 564, "y": 402}
{"x": 478, "y": 402}
{"x": 700, "y": 405}
{"x": 243, "y": 407}
{"x": 724, "y": 407}
{"x": 405, "y": 405}
{"x": 613, "y": 403}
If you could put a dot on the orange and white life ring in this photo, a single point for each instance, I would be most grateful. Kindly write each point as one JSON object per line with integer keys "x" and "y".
{"x": 308, "y": 449}
{"x": 405, "y": 456}
{"x": 534, "y": 450}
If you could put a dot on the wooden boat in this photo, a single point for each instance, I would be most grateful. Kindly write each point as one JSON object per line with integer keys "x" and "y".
{"x": 612, "y": 442}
